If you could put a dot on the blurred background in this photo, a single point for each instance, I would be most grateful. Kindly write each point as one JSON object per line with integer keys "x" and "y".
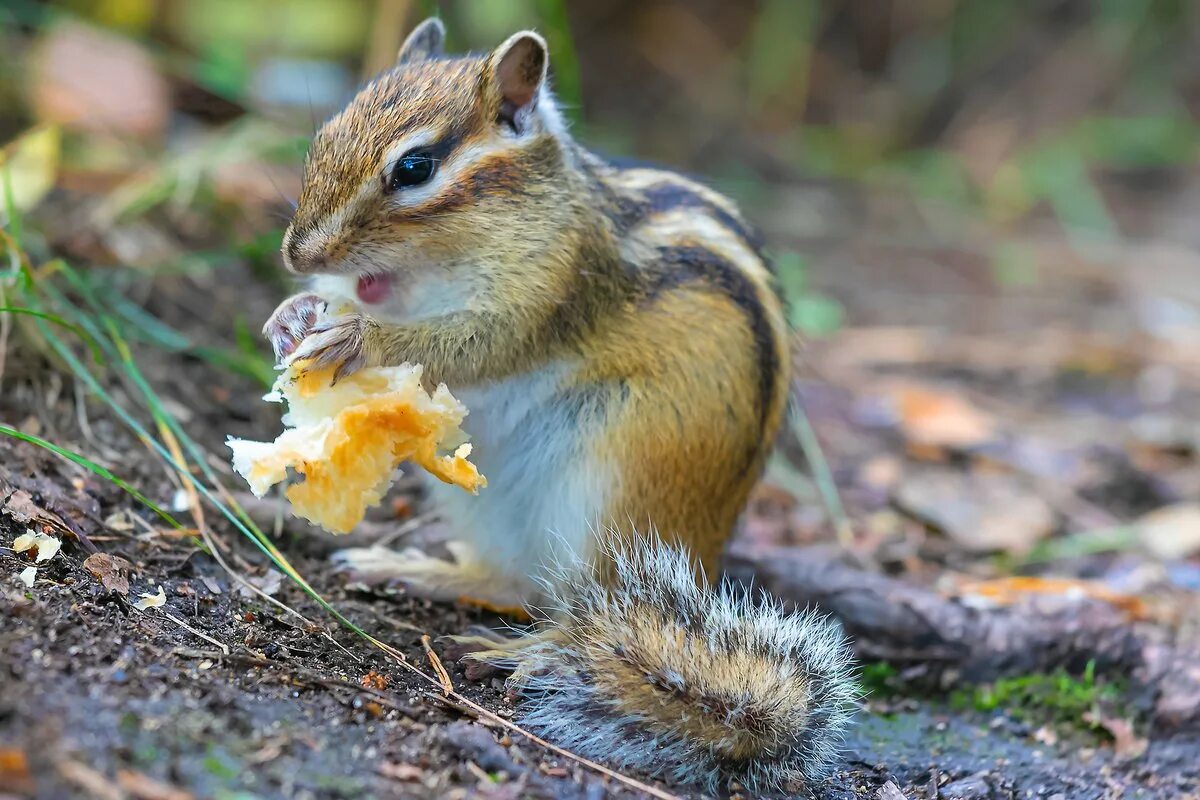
{"x": 898, "y": 154}
{"x": 983, "y": 214}
{"x": 984, "y": 217}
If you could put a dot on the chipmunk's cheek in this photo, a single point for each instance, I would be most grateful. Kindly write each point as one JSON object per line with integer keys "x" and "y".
{"x": 373, "y": 289}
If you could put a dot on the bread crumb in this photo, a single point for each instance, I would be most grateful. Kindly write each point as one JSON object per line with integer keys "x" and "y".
{"x": 347, "y": 440}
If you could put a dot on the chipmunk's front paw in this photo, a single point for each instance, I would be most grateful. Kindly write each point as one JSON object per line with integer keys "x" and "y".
{"x": 291, "y": 322}
{"x": 342, "y": 343}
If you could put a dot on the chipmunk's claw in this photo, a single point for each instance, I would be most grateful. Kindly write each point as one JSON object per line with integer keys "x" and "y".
{"x": 292, "y": 322}
{"x": 339, "y": 343}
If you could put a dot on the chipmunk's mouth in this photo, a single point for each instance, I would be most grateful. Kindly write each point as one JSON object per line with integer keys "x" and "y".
{"x": 374, "y": 288}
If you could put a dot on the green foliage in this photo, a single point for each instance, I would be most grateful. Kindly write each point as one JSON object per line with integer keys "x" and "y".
{"x": 778, "y": 52}
{"x": 809, "y": 313}
{"x": 878, "y": 679}
{"x": 220, "y": 764}
{"x": 1056, "y": 698}
{"x": 1014, "y": 265}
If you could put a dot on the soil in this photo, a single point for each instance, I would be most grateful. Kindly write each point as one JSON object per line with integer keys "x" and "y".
{"x": 94, "y": 688}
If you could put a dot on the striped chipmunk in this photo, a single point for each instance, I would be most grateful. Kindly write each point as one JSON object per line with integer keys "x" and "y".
{"x": 615, "y": 334}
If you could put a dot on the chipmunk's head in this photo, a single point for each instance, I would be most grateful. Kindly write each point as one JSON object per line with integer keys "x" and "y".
{"x": 440, "y": 161}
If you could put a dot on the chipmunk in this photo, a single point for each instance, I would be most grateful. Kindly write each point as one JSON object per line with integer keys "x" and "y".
{"x": 617, "y": 339}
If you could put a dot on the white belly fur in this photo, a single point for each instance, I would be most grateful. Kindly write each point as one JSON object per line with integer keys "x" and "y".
{"x": 543, "y": 496}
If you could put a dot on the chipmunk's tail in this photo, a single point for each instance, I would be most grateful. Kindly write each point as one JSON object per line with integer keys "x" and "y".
{"x": 656, "y": 673}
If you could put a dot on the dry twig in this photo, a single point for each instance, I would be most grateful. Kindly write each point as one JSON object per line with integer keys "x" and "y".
{"x": 436, "y": 663}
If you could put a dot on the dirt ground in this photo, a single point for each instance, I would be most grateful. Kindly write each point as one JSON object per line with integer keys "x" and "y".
{"x": 93, "y": 689}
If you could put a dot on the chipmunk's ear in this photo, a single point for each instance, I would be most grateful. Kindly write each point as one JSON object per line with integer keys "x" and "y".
{"x": 515, "y": 73}
{"x": 428, "y": 40}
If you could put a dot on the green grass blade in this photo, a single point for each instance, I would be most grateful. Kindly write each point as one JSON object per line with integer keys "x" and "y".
{"x": 249, "y": 364}
{"x": 90, "y": 341}
{"x": 10, "y": 209}
{"x": 239, "y": 519}
{"x": 94, "y": 468}
{"x": 822, "y": 474}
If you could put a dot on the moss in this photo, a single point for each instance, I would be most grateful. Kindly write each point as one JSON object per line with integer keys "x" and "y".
{"x": 1057, "y": 698}
{"x": 878, "y": 679}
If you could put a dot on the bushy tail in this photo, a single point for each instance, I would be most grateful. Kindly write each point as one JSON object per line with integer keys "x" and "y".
{"x": 656, "y": 673}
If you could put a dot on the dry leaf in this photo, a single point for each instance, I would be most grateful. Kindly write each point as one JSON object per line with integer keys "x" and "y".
{"x": 1172, "y": 532}
{"x": 933, "y": 417}
{"x": 983, "y": 512}
{"x": 15, "y": 775}
{"x": 151, "y": 600}
{"x": 1126, "y": 743}
{"x": 889, "y": 791}
{"x": 1013, "y": 589}
{"x": 32, "y": 166}
{"x": 87, "y": 79}
{"x": 143, "y": 787}
{"x": 111, "y": 571}
{"x": 21, "y": 509}
{"x": 401, "y": 772}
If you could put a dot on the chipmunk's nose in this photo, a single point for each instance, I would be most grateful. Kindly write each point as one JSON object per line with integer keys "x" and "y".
{"x": 300, "y": 257}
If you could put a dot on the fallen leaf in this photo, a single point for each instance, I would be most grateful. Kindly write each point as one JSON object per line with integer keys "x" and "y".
{"x": 15, "y": 775}
{"x": 151, "y": 600}
{"x": 268, "y": 583}
{"x": 31, "y": 162}
{"x": 374, "y": 680}
{"x": 889, "y": 791}
{"x": 1011, "y": 590}
{"x": 1126, "y": 743}
{"x": 1172, "y": 532}
{"x": 21, "y": 508}
{"x": 982, "y": 512}
{"x": 111, "y": 571}
{"x": 934, "y": 417}
{"x": 27, "y": 576}
{"x": 90, "y": 80}
{"x": 401, "y": 772}
{"x": 143, "y": 787}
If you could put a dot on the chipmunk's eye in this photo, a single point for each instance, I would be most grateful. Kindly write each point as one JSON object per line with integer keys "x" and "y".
{"x": 410, "y": 170}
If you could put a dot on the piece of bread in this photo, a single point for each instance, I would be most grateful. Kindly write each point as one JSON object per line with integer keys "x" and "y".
{"x": 347, "y": 440}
